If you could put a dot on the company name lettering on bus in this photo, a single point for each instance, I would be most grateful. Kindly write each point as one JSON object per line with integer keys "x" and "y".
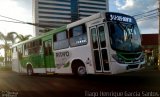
{"x": 81, "y": 41}
{"x": 120, "y": 18}
{"x": 62, "y": 54}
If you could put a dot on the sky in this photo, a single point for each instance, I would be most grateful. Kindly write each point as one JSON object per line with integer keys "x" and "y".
{"x": 17, "y": 9}
{"x": 22, "y": 10}
{"x": 134, "y": 7}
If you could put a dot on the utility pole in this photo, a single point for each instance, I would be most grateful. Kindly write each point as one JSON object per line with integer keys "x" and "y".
{"x": 159, "y": 15}
{"x": 159, "y": 33}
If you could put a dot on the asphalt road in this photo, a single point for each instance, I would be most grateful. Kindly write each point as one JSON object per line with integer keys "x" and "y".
{"x": 142, "y": 83}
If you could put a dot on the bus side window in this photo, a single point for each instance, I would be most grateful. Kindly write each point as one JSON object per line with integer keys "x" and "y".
{"x": 25, "y": 49}
{"x": 40, "y": 42}
{"x": 49, "y": 47}
{"x": 14, "y": 49}
{"x": 45, "y": 48}
{"x": 78, "y": 35}
{"x": 20, "y": 52}
{"x": 60, "y": 40}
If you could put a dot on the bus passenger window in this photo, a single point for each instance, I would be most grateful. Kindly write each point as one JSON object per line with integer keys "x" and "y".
{"x": 78, "y": 36}
{"x": 49, "y": 47}
{"x": 60, "y": 40}
{"x": 102, "y": 36}
{"x": 94, "y": 38}
{"x": 46, "y": 51}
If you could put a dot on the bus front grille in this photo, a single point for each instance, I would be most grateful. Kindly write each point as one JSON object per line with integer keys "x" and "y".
{"x": 132, "y": 66}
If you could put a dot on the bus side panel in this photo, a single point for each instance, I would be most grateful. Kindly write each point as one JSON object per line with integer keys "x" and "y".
{"x": 47, "y": 55}
{"x": 39, "y": 66}
{"x": 36, "y": 61}
{"x": 15, "y": 63}
{"x": 65, "y": 57}
{"x": 84, "y": 53}
{"x": 62, "y": 61}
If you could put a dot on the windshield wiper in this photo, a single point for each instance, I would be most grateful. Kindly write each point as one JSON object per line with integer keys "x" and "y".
{"x": 124, "y": 28}
{"x": 121, "y": 26}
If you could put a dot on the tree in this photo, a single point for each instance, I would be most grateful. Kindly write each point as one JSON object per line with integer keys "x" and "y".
{"x": 8, "y": 40}
{"x": 6, "y": 46}
{"x": 20, "y": 37}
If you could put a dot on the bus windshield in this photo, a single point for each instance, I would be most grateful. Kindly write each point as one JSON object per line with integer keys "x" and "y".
{"x": 124, "y": 37}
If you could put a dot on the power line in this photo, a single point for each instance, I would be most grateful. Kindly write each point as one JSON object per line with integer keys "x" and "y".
{"x": 145, "y": 12}
{"x": 34, "y": 24}
{"x": 147, "y": 15}
{"x": 149, "y": 18}
{"x": 12, "y": 18}
{"x": 18, "y": 21}
{"x": 152, "y": 14}
{"x": 11, "y": 21}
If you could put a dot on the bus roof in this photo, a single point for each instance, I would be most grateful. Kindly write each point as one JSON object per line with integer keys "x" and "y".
{"x": 84, "y": 20}
{"x": 43, "y": 35}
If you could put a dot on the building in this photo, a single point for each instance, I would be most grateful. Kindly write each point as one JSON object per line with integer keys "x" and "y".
{"x": 50, "y": 14}
{"x": 150, "y": 47}
{"x": 159, "y": 50}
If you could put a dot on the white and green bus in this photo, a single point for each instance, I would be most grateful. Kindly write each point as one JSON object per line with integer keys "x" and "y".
{"x": 104, "y": 43}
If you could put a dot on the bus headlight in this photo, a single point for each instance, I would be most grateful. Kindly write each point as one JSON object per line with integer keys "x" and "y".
{"x": 142, "y": 58}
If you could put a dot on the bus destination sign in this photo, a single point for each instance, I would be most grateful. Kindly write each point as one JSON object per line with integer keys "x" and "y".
{"x": 119, "y": 17}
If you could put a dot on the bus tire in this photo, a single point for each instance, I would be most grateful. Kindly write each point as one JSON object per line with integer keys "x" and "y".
{"x": 29, "y": 70}
{"x": 78, "y": 68}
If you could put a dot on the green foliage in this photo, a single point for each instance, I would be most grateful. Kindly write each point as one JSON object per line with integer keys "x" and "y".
{"x": 20, "y": 37}
{"x": 7, "y": 39}
{"x": 5, "y": 68}
{"x": 6, "y": 46}
{"x": 1, "y": 59}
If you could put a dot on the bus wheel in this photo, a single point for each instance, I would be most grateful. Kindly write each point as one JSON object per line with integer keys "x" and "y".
{"x": 29, "y": 71}
{"x": 81, "y": 70}
{"x": 78, "y": 68}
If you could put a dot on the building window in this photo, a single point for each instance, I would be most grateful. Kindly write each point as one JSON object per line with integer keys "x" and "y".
{"x": 60, "y": 40}
{"x": 78, "y": 36}
{"x": 53, "y": 4}
{"x": 48, "y": 47}
{"x": 59, "y": 9}
{"x": 93, "y": 3}
{"x": 74, "y": 10}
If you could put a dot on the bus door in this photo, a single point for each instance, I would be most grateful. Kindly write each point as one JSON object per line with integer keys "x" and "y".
{"x": 99, "y": 49}
{"x": 48, "y": 55}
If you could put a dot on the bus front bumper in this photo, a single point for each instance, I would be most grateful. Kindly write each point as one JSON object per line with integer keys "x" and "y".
{"x": 121, "y": 68}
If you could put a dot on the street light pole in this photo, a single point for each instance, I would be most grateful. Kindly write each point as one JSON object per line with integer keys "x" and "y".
{"x": 159, "y": 32}
{"x": 159, "y": 15}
